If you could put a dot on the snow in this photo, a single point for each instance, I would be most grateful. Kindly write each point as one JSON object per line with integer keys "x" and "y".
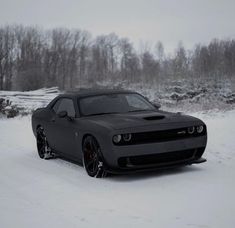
{"x": 30, "y": 100}
{"x": 56, "y": 193}
{"x": 185, "y": 95}
{"x": 180, "y": 95}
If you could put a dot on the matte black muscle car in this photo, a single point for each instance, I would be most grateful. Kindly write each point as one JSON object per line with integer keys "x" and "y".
{"x": 117, "y": 131}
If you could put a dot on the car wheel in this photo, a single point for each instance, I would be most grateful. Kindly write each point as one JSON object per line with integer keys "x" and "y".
{"x": 44, "y": 151}
{"x": 92, "y": 161}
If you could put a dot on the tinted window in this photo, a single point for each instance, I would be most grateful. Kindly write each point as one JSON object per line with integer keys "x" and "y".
{"x": 137, "y": 102}
{"x": 56, "y": 106}
{"x": 65, "y": 104}
{"x": 114, "y": 103}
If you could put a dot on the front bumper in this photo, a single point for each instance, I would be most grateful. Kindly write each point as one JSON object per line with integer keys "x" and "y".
{"x": 156, "y": 167}
{"x": 189, "y": 151}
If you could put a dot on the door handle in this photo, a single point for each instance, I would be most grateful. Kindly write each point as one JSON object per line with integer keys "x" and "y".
{"x": 53, "y": 120}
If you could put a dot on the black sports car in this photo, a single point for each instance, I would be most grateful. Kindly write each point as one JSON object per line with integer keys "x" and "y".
{"x": 117, "y": 131}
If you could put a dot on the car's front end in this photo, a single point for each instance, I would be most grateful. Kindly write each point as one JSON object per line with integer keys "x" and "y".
{"x": 161, "y": 144}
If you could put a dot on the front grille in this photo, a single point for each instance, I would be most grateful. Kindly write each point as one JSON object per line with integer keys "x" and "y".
{"x": 161, "y": 136}
{"x": 161, "y": 158}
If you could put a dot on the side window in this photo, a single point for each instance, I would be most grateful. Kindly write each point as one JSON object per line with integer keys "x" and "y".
{"x": 56, "y": 106}
{"x": 67, "y": 105}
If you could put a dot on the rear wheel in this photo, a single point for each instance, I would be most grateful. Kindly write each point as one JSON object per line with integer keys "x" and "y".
{"x": 44, "y": 151}
{"x": 92, "y": 160}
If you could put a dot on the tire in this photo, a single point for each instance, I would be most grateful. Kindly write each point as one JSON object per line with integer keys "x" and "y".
{"x": 44, "y": 151}
{"x": 92, "y": 161}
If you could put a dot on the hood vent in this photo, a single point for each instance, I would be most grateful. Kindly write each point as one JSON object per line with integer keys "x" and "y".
{"x": 154, "y": 117}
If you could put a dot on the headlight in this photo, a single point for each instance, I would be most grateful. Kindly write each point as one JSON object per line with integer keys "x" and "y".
{"x": 127, "y": 137}
{"x": 200, "y": 129}
{"x": 117, "y": 138}
{"x": 191, "y": 130}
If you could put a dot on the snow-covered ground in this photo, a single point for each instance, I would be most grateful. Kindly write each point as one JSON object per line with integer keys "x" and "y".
{"x": 55, "y": 193}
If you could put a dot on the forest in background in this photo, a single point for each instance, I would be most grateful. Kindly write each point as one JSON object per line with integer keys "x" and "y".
{"x": 32, "y": 58}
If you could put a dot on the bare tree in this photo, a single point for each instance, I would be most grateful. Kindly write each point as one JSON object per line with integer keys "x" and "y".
{"x": 160, "y": 51}
{"x": 31, "y": 58}
{"x": 150, "y": 67}
{"x": 130, "y": 64}
{"x": 7, "y": 41}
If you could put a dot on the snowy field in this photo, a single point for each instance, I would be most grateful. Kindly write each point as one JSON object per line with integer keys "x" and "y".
{"x": 55, "y": 193}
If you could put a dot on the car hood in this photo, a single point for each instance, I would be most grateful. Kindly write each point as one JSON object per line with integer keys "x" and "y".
{"x": 139, "y": 119}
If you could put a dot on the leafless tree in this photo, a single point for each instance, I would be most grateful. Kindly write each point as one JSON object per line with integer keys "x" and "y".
{"x": 31, "y": 58}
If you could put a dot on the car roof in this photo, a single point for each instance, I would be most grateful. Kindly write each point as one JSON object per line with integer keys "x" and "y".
{"x": 94, "y": 92}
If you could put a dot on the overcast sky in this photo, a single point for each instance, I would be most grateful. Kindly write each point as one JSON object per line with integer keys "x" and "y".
{"x": 170, "y": 21}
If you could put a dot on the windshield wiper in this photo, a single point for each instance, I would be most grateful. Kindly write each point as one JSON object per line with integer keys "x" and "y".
{"x": 101, "y": 113}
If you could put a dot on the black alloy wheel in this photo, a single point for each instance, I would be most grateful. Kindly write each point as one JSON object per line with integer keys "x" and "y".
{"x": 92, "y": 161}
{"x": 44, "y": 151}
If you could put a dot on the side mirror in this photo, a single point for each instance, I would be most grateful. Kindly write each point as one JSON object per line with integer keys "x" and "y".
{"x": 157, "y": 106}
{"x": 62, "y": 114}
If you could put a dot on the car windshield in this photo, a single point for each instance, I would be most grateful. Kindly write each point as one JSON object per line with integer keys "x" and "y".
{"x": 114, "y": 103}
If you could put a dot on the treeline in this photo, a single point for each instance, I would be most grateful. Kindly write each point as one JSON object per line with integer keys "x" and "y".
{"x": 31, "y": 58}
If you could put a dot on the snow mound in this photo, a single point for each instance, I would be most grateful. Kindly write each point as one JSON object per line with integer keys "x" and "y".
{"x": 15, "y": 102}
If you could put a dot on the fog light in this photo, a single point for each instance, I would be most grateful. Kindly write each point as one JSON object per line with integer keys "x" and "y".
{"x": 117, "y": 138}
{"x": 191, "y": 130}
{"x": 200, "y": 129}
{"x": 126, "y": 137}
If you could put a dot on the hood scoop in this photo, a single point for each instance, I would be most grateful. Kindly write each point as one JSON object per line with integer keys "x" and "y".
{"x": 158, "y": 117}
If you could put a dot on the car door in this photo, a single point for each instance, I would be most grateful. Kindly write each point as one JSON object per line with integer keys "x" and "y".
{"x": 64, "y": 129}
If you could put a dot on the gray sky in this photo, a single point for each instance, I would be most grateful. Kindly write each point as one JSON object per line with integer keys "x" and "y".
{"x": 170, "y": 21}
